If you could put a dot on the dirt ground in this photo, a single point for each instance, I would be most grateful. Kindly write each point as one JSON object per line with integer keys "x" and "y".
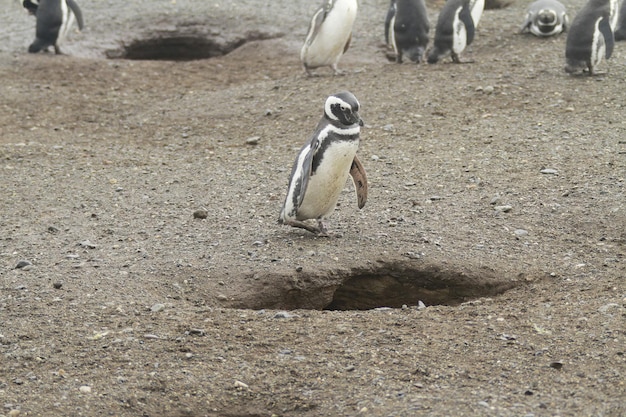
{"x": 505, "y": 173}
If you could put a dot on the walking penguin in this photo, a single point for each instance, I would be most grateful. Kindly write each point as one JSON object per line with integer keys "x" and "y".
{"x": 456, "y": 27}
{"x": 590, "y": 38}
{"x": 54, "y": 19}
{"x": 320, "y": 171}
{"x": 329, "y": 35}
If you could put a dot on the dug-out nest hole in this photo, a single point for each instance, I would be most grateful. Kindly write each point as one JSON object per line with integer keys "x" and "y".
{"x": 382, "y": 284}
{"x": 184, "y": 45}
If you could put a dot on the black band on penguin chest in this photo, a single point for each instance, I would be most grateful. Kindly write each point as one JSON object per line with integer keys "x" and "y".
{"x": 323, "y": 149}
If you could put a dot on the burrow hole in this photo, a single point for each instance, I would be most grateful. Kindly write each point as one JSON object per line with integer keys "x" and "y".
{"x": 181, "y": 46}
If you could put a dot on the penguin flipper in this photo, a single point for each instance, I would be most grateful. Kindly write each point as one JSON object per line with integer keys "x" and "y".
{"x": 607, "y": 34}
{"x": 465, "y": 16}
{"x": 525, "y": 28}
{"x": 390, "y": 14}
{"x": 316, "y": 22}
{"x": 360, "y": 181}
{"x": 345, "y": 48}
{"x": 77, "y": 12}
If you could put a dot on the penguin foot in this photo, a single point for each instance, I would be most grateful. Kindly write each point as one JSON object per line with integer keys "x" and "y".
{"x": 337, "y": 71}
{"x": 306, "y": 226}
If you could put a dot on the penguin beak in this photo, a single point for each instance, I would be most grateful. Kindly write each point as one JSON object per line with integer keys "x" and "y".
{"x": 361, "y": 123}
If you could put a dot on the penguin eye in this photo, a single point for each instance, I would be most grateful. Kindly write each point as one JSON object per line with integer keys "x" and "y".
{"x": 344, "y": 108}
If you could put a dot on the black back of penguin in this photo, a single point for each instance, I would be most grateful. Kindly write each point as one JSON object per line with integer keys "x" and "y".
{"x": 49, "y": 20}
{"x": 620, "y": 30}
{"x": 410, "y": 28}
{"x": 444, "y": 31}
{"x": 579, "y": 44}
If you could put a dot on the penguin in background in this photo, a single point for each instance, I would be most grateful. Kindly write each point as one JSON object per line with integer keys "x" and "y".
{"x": 329, "y": 35}
{"x": 54, "y": 19}
{"x": 406, "y": 29}
{"x": 614, "y": 11}
{"x": 545, "y": 18}
{"x": 323, "y": 164}
{"x": 590, "y": 38}
{"x": 456, "y": 27}
{"x": 620, "y": 30}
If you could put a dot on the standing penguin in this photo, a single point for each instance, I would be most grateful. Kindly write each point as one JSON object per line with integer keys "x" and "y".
{"x": 590, "y": 38}
{"x": 329, "y": 35}
{"x": 54, "y": 19}
{"x": 455, "y": 28}
{"x": 545, "y": 18}
{"x": 320, "y": 171}
{"x": 620, "y": 30}
{"x": 406, "y": 29}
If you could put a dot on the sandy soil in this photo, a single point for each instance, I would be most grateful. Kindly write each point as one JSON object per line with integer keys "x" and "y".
{"x": 503, "y": 174}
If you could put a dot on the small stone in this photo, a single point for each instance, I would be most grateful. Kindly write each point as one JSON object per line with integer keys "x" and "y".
{"x": 299, "y": 269}
{"x": 157, "y": 307}
{"x": 605, "y": 308}
{"x": 23, "y": 264}
{"x": 222, "y": 297}
{"x": 284, "y": 315}
{"x": 200, "y": 214}
{"x": 488, "y": 89}
{"x": 520, "y": 232}
{"x": 14, "y": 413}
{"x": 57, "y": 285}
{"x": 435, "y": 198}
{"x": 253, "y": 140}
{"x": 549, "y": 171}
{"x": 495, "y": 200}
{"x": 241, "y": 385}
{"x": 421, "y": 305}
{"x": 85, "y": 389}
{"x": 374, "y": 157}
{"x": 483, "y": 403}
{"x": 388, "y": 128}
{"x": 87, "y": 244}
{"x": 556, "y": 365}
{"x": 503, "y": 209}
{"x": 53, "y": 230}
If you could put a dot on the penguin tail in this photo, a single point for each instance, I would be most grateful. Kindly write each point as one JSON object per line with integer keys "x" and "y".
{"x": 37, "y": 46}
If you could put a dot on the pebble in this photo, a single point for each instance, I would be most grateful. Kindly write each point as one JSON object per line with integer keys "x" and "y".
{"x": 222, "y": 297}
{"x": 421, "y": 305}
{"x": 504, "y": 209}
{"x": 388, "y": 128}
{"x": 550, "y": 171}
{"x": 157, "y": 307}
{"x": 85, "y": 389}
{"x": 57, "y": 285}
{"x": 23, "y": 264}
{"x": 241, "y": 385}
{"x": 284, "y": 315}
{"x": 607, "y": 307}
{"x": 374, "y": 157}
{"x": 14, "y": 413}
{"x": 200, "y": 214}
{"x": 483, "y": 403}
{"x": 520, "y": 232}
{"x": 87, "y": 244}
{"x": 253, "y": 140}
{"x": 488, "y": 89}
{"x": 556, "y": 365}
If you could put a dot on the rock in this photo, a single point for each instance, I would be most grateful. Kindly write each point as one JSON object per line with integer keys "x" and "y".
{"x": 241, "y": 385}
{"x": 14, "y": 413}
{"x": 520, "y": 232}
{"x": 421, "y": 305}
{"x": 23, "y": 264}
{"x": 488, "y": 89}
{"x": 222, "y": 297}
{"x": 85, "y": 389}
{"x": 503, "y": 209}
{"x": 556, "y": 365}
{"x": 549, "y": 171}
{"x": 157, "y": 307}
{"x": 284, "y": 315}
{"x": 605, "y": 308}
{"x": 253, "y": 140}
{"x": 57, "y": 285}
{"x": 87, "y": 244}
{"x": 200, "y": 214}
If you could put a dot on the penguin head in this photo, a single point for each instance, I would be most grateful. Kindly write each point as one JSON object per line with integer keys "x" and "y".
{"x": 546, "y": 20}
{"x": 343, "y": 108}
{"x": 416, "y": 54}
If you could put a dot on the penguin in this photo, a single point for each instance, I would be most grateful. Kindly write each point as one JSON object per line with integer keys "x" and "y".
{"x": 406, "y": 29}
{"x": 329, "y": 35}
{"x": 620, "y": 30}
{"x": 455, "y": 28}
{"x": 31, "y": 6}
{"x": 613, "y": 14}
{"x": 54, "y": 19}
{"x": 590, "y": 38}
{"x": 545, "y": 18}
{"x": 323, "y": 164}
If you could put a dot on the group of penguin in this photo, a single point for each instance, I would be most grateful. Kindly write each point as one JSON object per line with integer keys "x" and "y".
{"x": 326, "y": 160}
{"x": 590, "y": 37}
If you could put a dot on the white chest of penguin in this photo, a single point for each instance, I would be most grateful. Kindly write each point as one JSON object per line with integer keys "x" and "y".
{"x": 334, "y": 32}
{"x": 329, "y": 179}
